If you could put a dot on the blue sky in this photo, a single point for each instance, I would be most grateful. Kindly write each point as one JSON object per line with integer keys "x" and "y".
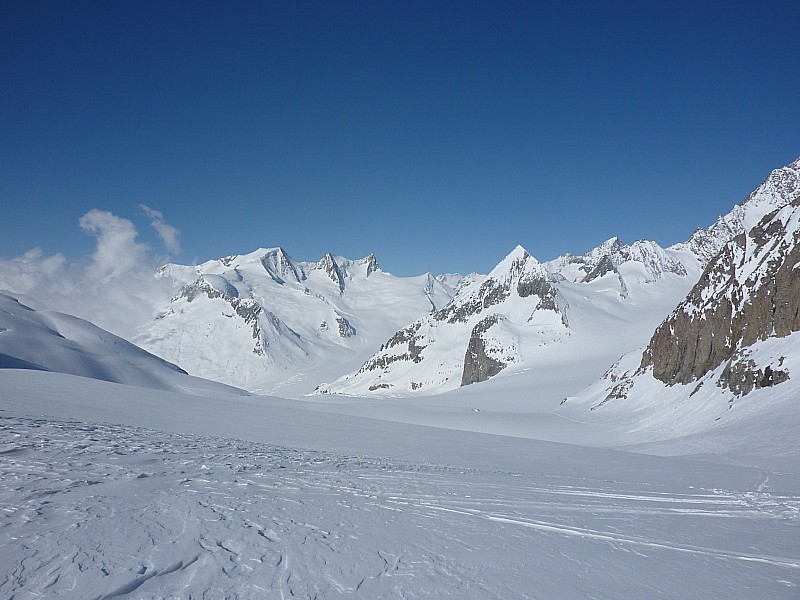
{"x": 437, "y": 135}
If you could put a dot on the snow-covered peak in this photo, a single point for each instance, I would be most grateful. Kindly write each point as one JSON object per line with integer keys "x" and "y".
{"x": 515, "y": 264}
{"x": 235, "y": 261}
{"x": 331, "y": 268}
{"x": 656, "y": 260}
{"x": 611, "y": 247}
{"x": 371, "y": 264}
{"x": 280, "y": 266}
{"x": 780, "y": 188}
{"x": 644, "y": 261}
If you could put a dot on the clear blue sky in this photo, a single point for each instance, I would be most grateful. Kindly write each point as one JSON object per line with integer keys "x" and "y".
{"x": 436, "y": 134}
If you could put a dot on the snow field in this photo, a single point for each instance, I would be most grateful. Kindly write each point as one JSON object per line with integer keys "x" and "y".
{"x": 100, "y": 510}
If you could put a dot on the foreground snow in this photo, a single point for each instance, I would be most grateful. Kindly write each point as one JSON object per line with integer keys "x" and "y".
{"x": 111, "y": 491}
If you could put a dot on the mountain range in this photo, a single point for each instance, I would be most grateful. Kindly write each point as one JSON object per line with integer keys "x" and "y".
{"x": 574, "y": 310}
{"x": 271, "y": 324}
{"x": 268, "y": 323}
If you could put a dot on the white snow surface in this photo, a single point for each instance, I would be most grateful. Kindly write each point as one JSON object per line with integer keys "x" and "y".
{"x": 53, "y": 341}
{"x": 658, "y": 416}
{"x": 111, "y": 491}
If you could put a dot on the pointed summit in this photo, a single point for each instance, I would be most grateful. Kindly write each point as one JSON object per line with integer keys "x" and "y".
{"x": 280, "y": 266}
{"x": 517, "y": 261}
{"x": 372, "y": 264}
{"x": 333, "y": 270}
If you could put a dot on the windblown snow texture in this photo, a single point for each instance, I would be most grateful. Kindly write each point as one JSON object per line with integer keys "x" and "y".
{"x": 97, "y": 507}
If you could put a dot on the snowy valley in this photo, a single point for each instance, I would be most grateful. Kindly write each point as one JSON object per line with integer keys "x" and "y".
{"x": 617, "y": 424}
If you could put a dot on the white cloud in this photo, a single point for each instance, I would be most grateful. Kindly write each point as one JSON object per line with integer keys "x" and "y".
{"x": 167, "y": 233}
{"x": 115, "y": 288}
{"x": 117, "y": 250}
{"x": 24, "y": 273}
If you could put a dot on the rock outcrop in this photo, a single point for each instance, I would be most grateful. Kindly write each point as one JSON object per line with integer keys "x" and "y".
{"x": 481, "y": 360}
{"x": 749, "y": 291}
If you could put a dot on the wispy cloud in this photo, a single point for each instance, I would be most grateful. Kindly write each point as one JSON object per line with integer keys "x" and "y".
{"x": 167, "y": 233}
{"x": 115, "y": 288}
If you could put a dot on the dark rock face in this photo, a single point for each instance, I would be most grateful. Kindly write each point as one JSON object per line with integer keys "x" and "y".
{"x": 688, "y": 345}
{"x": 346, "y": 330}
{"x": 606, "y": 265}
{"x": 478, "y": 364}
{"x": 407, "y": 337}
{"x": 742, "y": 376}
{"x": 750, "y": 291}
{"x": 372, "y": 264}
{"x": 332, "y": 270}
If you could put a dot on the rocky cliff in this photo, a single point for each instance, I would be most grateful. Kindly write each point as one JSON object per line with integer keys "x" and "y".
{"x": 750, "y": 291}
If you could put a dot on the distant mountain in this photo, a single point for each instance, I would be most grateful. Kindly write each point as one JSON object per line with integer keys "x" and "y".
{"x": 650, "y": 262}
{"x": 269, "y": 323}
{"x": 525, "y": 312}
{"x": 485, "y": 320}
{"x": 577, "y": 306}
{"x": 736, "y": 332}
{"x": 52, "y": 341}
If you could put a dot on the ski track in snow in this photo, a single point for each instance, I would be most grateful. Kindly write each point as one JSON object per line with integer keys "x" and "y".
{"x": 107, "y": 511}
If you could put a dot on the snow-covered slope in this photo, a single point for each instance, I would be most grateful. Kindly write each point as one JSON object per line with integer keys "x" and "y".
{"x": 268, "y": 323}
{"x": 527, "y": 315}
{"x": 732, "y": 343}
{"x": 51, "y": 341}
{"x": 115, "y": 492}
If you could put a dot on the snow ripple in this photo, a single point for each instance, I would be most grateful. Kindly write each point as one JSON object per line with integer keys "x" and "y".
{"x": 106, "y": 511}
